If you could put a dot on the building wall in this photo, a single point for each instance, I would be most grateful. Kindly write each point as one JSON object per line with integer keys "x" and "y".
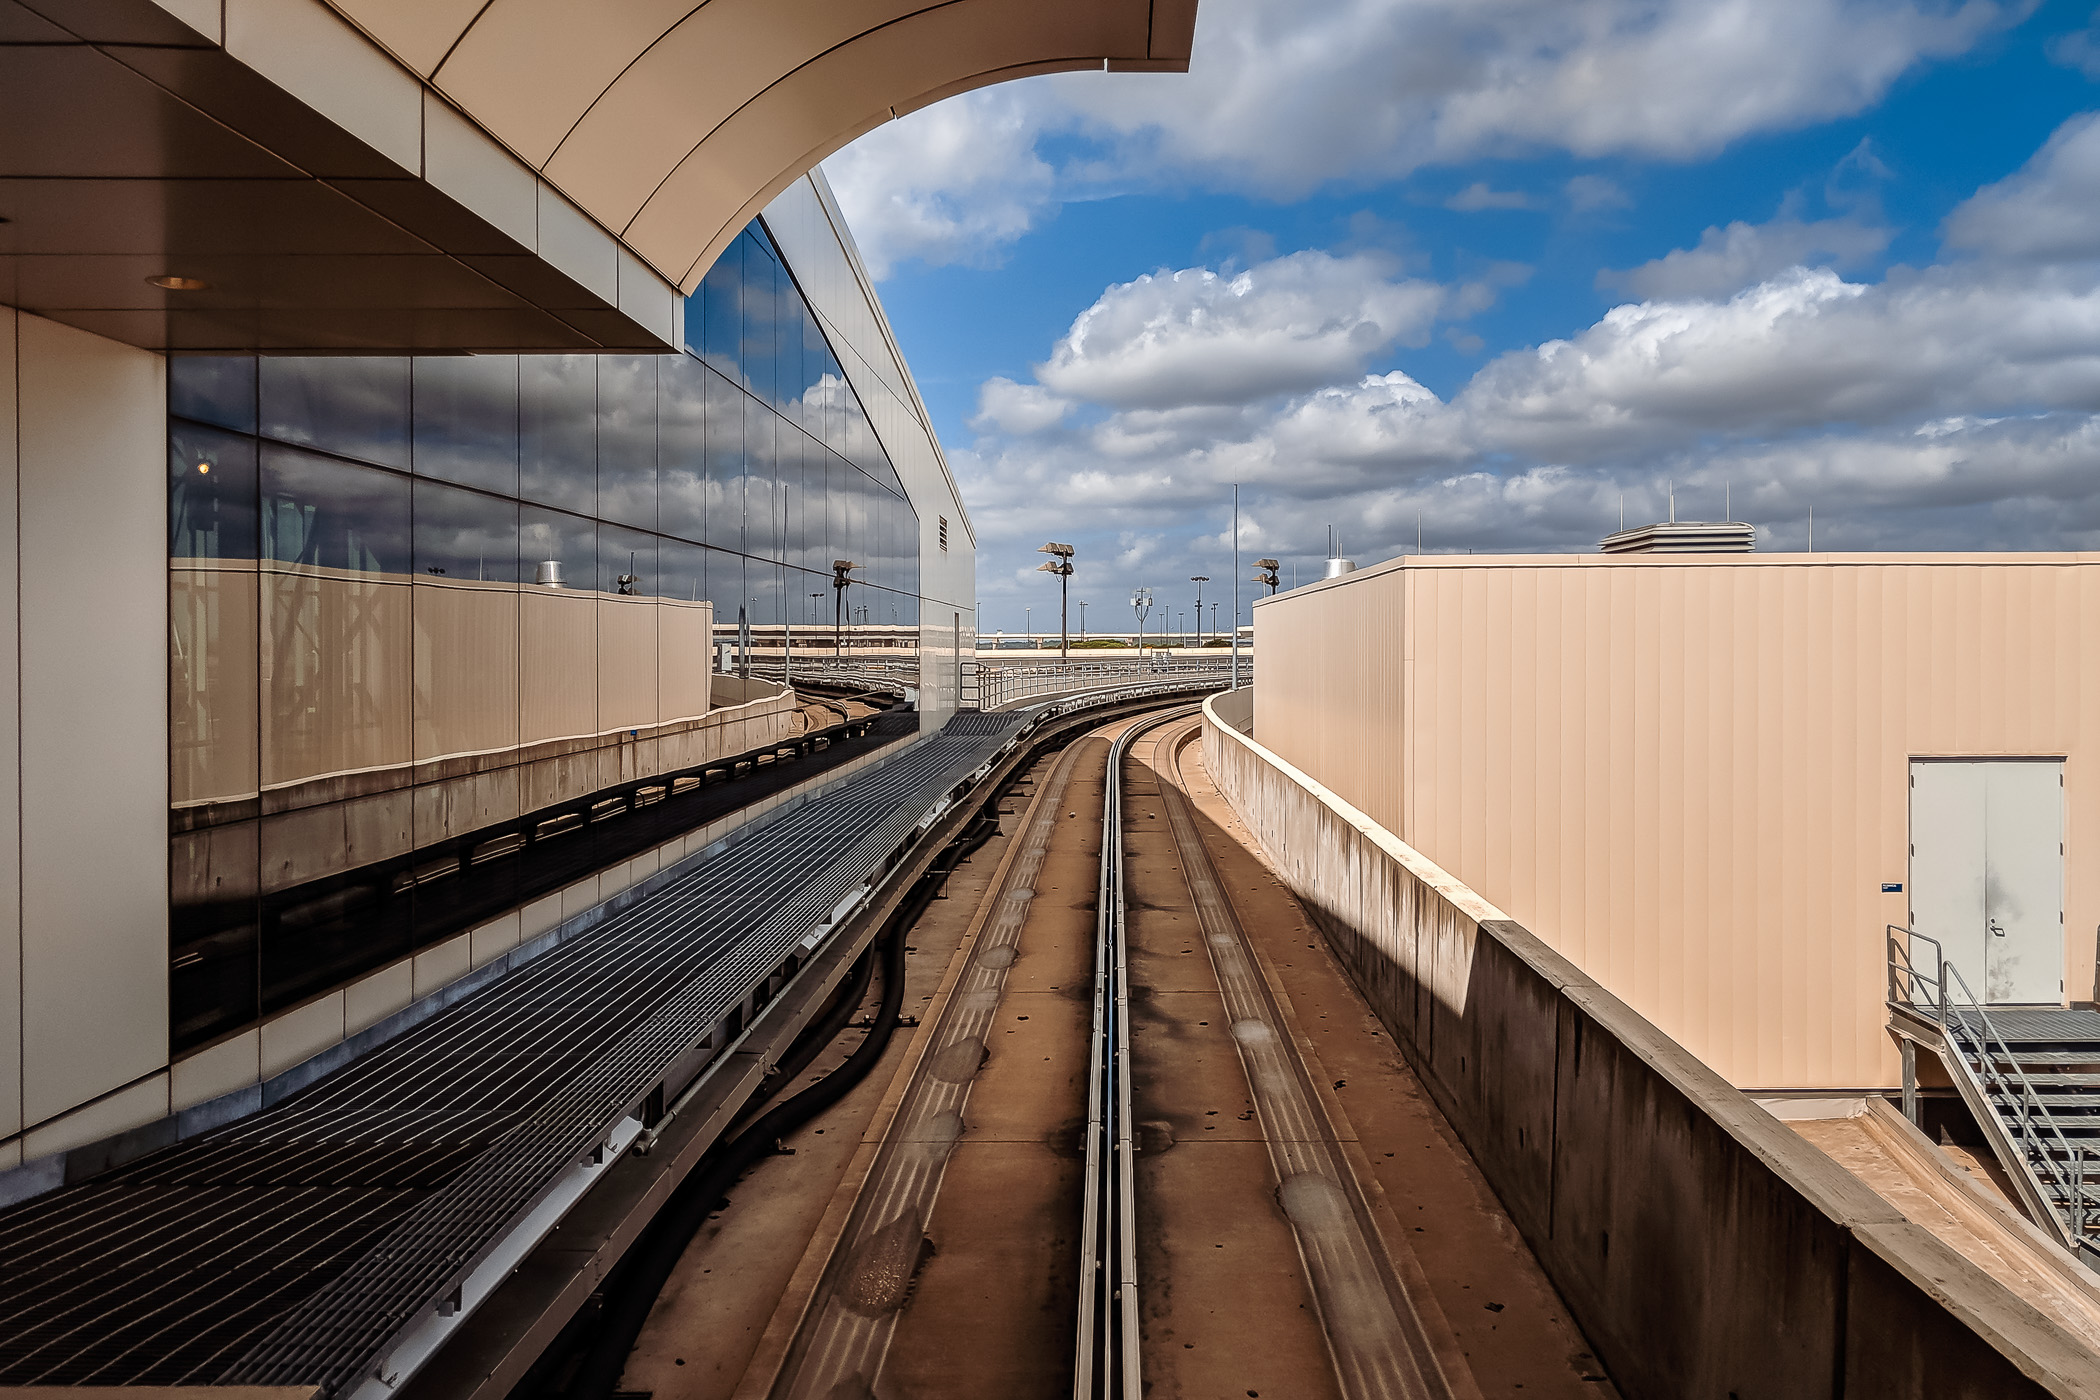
{"x": 1690, "y": 776}
{"x": 806, "y": 222}
{"x": 1703, "y": 1247}
{"x": 83, "y": 743}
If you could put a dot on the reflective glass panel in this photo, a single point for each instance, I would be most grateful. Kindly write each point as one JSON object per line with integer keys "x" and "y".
{"x": 212, "y": 389}
{"x": 681, "y": 452}
{"x": 626, "y": 562}
{"x": 558, "y": 418}
{"x": 355, "y": 407}
{"x": 725, "y": 464}
{"x": 465, "y": 535}
{"x": 333, "y": 515}
{"x": 681, "y": 571}
{"x": 466, "y": 420}
{"x": 556, "y": 549}
{"x": 757, "y": 354}
{"x": 761, "y": 486}
{"x": 211, "y": 494}
{"x": 762, "y": 585}
{"x": 627, "y": 439}
{"x": 721, "y": 316}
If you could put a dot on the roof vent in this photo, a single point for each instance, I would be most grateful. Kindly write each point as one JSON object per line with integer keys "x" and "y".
{"x": 1683, "y": 537}
{"x": 1336, "y": 565}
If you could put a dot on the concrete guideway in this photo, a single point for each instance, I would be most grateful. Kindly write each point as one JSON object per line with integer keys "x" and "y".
{"x": 944, "y": 1263}
{"x": 1385, "y": 1333}
{"x": 845, "y": 1336}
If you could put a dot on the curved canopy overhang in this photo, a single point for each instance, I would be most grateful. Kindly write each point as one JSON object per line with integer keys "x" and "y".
{"x": 673, "y": 123}
{"x": 458, "y": 174}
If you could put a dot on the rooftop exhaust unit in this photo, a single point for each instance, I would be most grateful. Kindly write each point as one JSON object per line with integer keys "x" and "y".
{"x": 1675, "y": 536}
{"x": 1336, "y": 565}
{"x": 1683, "y": 537}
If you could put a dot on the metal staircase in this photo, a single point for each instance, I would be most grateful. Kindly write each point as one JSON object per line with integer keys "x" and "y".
{"x": 2030, "y": 1076}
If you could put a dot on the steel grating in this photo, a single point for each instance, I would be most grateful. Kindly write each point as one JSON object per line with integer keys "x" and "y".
{"x": 293, "y": 1246}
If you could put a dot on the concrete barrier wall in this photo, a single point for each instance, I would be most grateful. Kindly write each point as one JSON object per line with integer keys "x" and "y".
{"x": 1704, "y": 1248}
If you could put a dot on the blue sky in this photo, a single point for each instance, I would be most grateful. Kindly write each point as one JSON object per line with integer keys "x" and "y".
{"x": 1494, "y": 266}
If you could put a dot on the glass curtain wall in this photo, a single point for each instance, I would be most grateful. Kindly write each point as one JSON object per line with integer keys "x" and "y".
{"x": 403, "y": 592}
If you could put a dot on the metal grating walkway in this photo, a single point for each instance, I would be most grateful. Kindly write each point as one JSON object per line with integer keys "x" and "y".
{"x": 293, "y": 1246}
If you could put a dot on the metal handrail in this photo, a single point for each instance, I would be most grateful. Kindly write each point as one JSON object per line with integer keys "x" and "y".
{"x": 1002, "y": 684}
{"x": 2035, "y": 1124}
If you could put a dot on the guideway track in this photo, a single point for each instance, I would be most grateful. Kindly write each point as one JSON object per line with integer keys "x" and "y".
{"x": 1385, "y": 1337}
{"x": 848, "y": 1329}
{"x": 845, "y": 1335}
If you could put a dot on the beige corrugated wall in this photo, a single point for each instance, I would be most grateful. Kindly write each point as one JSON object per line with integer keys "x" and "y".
{"x": 1691, "y": 775}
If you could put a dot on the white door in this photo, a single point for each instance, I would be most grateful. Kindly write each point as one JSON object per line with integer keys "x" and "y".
{"x": 1986, "y": 872}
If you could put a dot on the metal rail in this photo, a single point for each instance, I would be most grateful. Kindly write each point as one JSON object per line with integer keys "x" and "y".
{"x": 1106, "y": 1362}
{"x": 999, "y": 685}
{"x": 2062, "y": 1189}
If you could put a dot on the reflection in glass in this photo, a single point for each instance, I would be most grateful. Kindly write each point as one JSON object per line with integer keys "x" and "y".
{"x": 557, "y": 550}
{"x": 725, "y": 465}
{"x": 626, "y": 562}
{"x": 337, "y": 657}
{"x": 363, "y": 660}
{"x": 212, "y": 933}
{"x": 211, "y": 494}
{"x": 558, "y": 430}
{"x": 761, "y": 487}
{"x": 464, "y": 535}
{"x": 720, "y": 319}
{"x": 627, "y": 439}
{"x": 681, "y": 571}
{"x": 212, "y": 389}
{"x": 466, "y": 628}
{"x": 332, "y": 515}
{"x": 355, "y": 407}
{"x": 681, "y": 436}
{"x": 757, "y": 353}
{"x": 466, "y": 420}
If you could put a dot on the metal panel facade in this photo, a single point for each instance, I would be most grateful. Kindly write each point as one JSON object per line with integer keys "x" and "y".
{"x": 1691, "y": 774}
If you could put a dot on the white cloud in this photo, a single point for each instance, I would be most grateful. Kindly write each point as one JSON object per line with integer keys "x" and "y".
{"x": 2045, "y": 210}
{"x": 1007, "y": 407}
{"x": 1587, "y": 193}
{"x": 953, "y": 182}
{"x": 1953, "y": 406}
{"x": 1741, "y": 255}
{"x": 1283, "y": 98}
{"x": 2080, "y": 49}
{"x": 1480, "y": 195}
{"x": 1195, "y": 336}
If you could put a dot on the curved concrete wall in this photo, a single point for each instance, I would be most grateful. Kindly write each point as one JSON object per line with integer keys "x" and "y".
{"x": 1704, "y": 1248}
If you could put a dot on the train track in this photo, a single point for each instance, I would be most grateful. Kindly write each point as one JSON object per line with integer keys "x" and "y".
{"x": 917, "y": 1231}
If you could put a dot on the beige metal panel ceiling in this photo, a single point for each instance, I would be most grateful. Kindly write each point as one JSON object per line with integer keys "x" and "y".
{"x": 673, "y": 123}
{"x": 427, "y": 175}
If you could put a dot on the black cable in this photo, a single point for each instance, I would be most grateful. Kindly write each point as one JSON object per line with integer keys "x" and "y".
{"x": 631, "y": 1293}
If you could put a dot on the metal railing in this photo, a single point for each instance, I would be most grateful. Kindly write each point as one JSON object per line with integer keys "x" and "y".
{"x": 999, "y": 685}
{"x": 2057, "y": 1168}
{"x": 1106, "y": 1361}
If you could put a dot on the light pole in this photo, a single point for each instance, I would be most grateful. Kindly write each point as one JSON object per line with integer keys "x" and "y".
{"x": 1213, "y": 619}
{"x": 1082, "y": 620}
{"x": 1028, "y": 626}
{"x": 841, "y": 579}
{"x": 1060, "y": 563}
{"x": 1199, "y": 580}
{"x": 1141, "y": 604}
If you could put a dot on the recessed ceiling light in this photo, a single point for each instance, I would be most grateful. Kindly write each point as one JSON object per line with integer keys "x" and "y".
{"x": 171, "y": 283}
